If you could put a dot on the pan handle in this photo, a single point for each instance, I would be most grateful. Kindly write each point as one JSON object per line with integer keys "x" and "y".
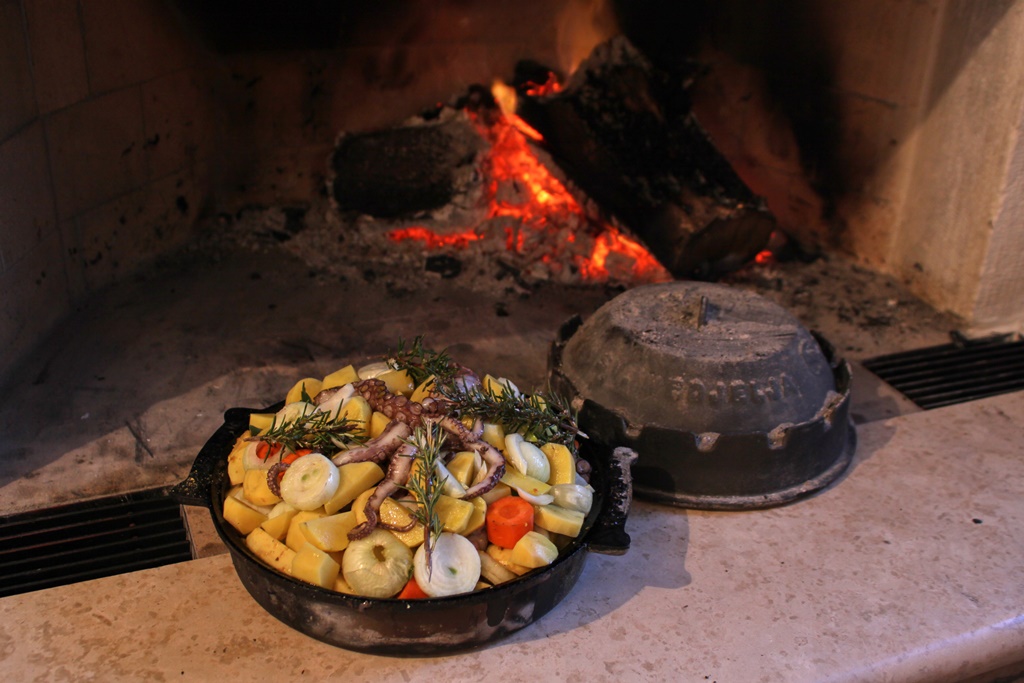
{"x": 196, "y": 489}
{"x": 609, "y": 536}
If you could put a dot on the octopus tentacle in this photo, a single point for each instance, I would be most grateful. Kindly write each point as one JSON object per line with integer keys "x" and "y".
{"x": 476, "y": 431}
{"x": 326, "y": 395}
{"x": 492, "y": 457}
{"x": 399, "y": 528}
{"x": 399, "y": 470}
{"x": 405, "y": 415}
{"x": 274, "y": 477}
{"x": 395, "y": 406}
{"x": 377, "y": 449}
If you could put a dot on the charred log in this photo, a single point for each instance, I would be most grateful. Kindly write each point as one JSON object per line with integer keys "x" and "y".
{"x": 624, "y": 132}
{"x": 405, "y": 170}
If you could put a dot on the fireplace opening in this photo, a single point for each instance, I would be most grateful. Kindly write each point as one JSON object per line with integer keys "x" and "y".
{"x": 843, "y": 172}
{"x": 139, "y": 129}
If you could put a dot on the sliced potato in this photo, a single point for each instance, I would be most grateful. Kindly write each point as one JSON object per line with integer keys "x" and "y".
{"x": 454, "y": 513}
{"x": 494, "y": 571}
{"x": 310, "y": 386}
{"x": 558, "y": 520}
{"x": 397, "y": 382}
{"x": 270, "y": 550}
{"x": 499, "y": 386}
{"x": 503, "y": 556}
{"x": 236, "y": 470}
{"x": 356, "y": 477}
{"x": 341, "y": 585}
{"x": 357, "y": 410}
{"x": 260, "y": 422}
{"x": 378, "y": 423}
{"x": 279, "y": 521}
{"x": 533, "y": 550}
{"x": 340, "y": 378}
{"x": 500, "y": 490}
{"x": 295, "y": 539}
{"x": 313, "y": 565}
{"x": 393, "y": 514}
{"x": 396, "y": 515}
{"x": 479, "y": 516}
{"x": 329, "y": 533}
{"x": 423, "y": 390}
{"x": 463, "y": 466}
{"x": 494, "y": 434}
{"x": 359, "y": 504}
{"x": 562, "y": 463}
{"x": 257, "y": 490}
{"x": 241, "y": 516}
{"x": 532, "y": 486}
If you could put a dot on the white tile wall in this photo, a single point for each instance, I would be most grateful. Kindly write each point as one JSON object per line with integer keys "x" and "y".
{"x": 106, "y": 128}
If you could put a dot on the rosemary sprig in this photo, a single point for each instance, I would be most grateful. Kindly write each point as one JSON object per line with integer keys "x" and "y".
{"x": 424, "y": 484}
{"x": 422, "y": 363}
{"x": 547, "y": 418}
{"x": 317, "y": 431}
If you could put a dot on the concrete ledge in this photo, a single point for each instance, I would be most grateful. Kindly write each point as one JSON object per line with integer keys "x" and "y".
{"x": 908, "y": 569}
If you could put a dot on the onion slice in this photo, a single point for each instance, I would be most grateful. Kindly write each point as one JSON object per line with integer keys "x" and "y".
{"x": 536, "y": 499}
{"x": 513, "y": 454}
{"x": 310, "y": 481}
{"x": 454, "y": 566}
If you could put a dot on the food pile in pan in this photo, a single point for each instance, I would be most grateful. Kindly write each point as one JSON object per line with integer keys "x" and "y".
{"x": 410, "y": 477}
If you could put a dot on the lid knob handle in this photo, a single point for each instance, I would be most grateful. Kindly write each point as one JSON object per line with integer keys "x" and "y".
{"x": 694, "y": 311}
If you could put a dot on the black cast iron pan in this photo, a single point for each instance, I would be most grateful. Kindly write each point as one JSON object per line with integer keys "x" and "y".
{"x": 434, "y": 626}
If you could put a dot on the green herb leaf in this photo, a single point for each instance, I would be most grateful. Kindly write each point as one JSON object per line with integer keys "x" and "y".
{"x": 424, "y": 484}
{"x": 317, "y": 431}
{"x": 422, "y": 363}
{"x": 545, "y": 416}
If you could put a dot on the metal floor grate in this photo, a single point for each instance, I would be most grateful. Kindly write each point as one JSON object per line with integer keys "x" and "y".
{"x": 958, "y": 372}
{"x": 89, "y": 540}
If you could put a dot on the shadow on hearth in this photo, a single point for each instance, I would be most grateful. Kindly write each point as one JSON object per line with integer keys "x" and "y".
{"x": 123, "y": 396}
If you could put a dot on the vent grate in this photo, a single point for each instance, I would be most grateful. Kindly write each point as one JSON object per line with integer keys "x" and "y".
{"x": 958, "y": 372}
{"x": 89, "y": 540}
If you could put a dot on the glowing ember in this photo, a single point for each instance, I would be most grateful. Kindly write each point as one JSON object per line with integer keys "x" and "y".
{"x": 552, "y": 85}
{"x": 541, "y": 218}
{"x": 432, "y": 240}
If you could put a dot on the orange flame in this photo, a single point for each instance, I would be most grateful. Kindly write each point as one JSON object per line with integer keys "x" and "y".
{"x": 543, "y": 210}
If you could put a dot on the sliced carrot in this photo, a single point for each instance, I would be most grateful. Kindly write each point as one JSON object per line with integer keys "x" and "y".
{"x": 266, "y": 450}
{"x": 290, "y": 458}
{"x": 295, "y": 455}
{"x": 508, "y": 519}
{"x": 412, "y": 591}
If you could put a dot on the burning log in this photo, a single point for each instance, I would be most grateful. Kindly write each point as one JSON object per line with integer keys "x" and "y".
{"x": 466, "y": 181}
{"x": 625, "y": 134}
